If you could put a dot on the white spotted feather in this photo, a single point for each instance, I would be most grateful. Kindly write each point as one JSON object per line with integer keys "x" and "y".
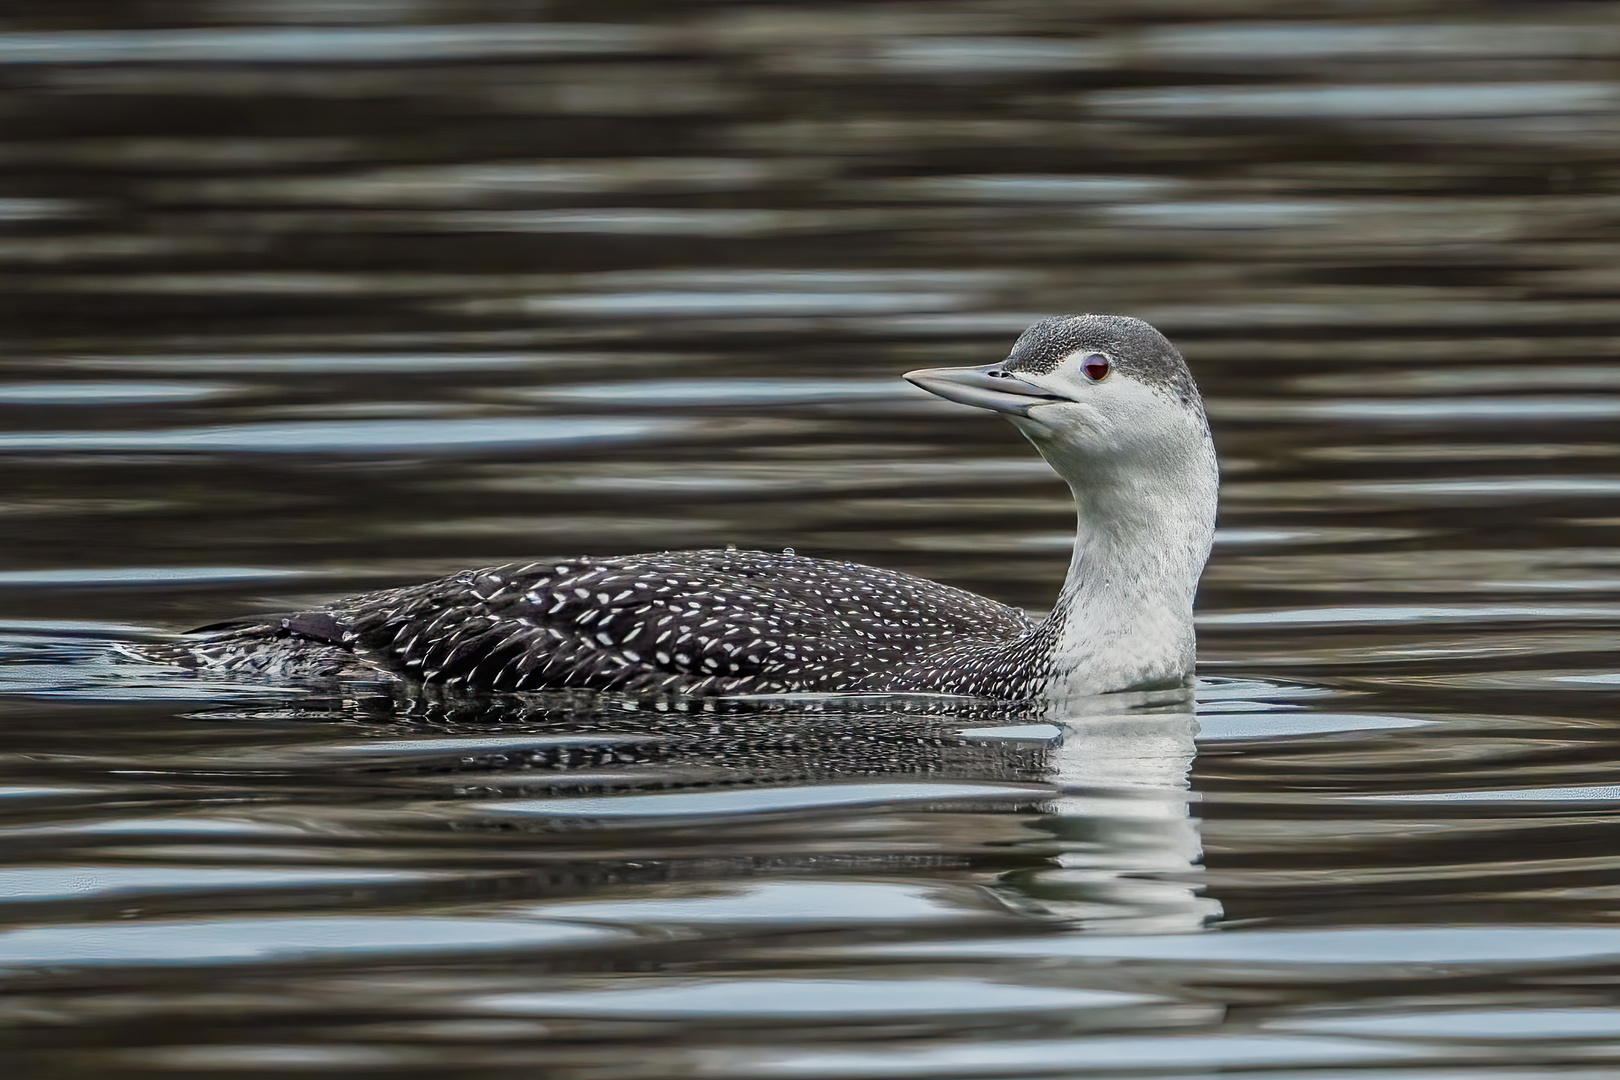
{"x": 1107, "y": 401}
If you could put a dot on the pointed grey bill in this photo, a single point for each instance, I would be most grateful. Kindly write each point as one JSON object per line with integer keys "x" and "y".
{"x": 976, "y": 386}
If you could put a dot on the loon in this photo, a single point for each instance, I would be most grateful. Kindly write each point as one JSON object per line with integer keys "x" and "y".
{"x": 1107, "y": 401}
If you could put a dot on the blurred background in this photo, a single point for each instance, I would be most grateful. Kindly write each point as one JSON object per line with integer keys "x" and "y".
{"x": 381, "y": 288}
{"x": 305, "y": 297}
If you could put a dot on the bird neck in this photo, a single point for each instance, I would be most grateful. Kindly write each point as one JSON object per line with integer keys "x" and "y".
{"x": 1124, "y": 619}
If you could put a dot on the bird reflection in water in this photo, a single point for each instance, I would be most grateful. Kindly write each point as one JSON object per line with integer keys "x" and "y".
{"x": 1074, "y": 811}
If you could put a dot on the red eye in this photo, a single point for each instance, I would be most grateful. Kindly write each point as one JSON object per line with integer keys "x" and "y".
{"x": 1096, "y": 367}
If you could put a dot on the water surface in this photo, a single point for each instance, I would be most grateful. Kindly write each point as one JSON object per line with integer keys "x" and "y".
{"x": 308, "y": 298}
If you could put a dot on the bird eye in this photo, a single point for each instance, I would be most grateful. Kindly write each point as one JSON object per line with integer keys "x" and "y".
{"x": 1096, "y": 367}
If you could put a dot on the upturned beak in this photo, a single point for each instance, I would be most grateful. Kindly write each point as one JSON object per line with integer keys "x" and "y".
{"x": 976, "y": 386}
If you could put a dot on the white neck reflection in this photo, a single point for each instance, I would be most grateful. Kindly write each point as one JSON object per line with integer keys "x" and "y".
{"x": 1125, "y": 852}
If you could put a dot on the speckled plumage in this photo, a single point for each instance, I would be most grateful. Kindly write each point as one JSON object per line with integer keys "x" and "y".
{"x": 1132, "y": 443}
{"x": 695, "y": 622}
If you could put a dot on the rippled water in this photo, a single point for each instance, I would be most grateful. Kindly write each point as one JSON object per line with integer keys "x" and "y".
{"x": 305, "y": 297}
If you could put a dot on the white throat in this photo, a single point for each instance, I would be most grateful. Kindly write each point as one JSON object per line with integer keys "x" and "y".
{"x": 1143, "y": 535}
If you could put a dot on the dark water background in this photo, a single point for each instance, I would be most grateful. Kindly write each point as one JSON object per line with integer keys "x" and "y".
{"x": 304, "y": 297}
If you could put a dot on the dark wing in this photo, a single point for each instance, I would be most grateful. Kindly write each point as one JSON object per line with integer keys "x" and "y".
{"x": 304, "y": 645}
{"x": 694, "y": 622}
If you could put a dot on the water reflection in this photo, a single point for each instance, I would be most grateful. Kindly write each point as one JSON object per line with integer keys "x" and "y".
{"x": 306, "y": 297}
{"x": 624, "y": 791}
{"x": 1125, "y": 842}
{"x": 353, "y": 436}
{"x": 321, "y": 45}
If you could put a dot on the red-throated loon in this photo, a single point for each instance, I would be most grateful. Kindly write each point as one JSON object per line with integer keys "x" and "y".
{"x": 1106, "y": 399}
